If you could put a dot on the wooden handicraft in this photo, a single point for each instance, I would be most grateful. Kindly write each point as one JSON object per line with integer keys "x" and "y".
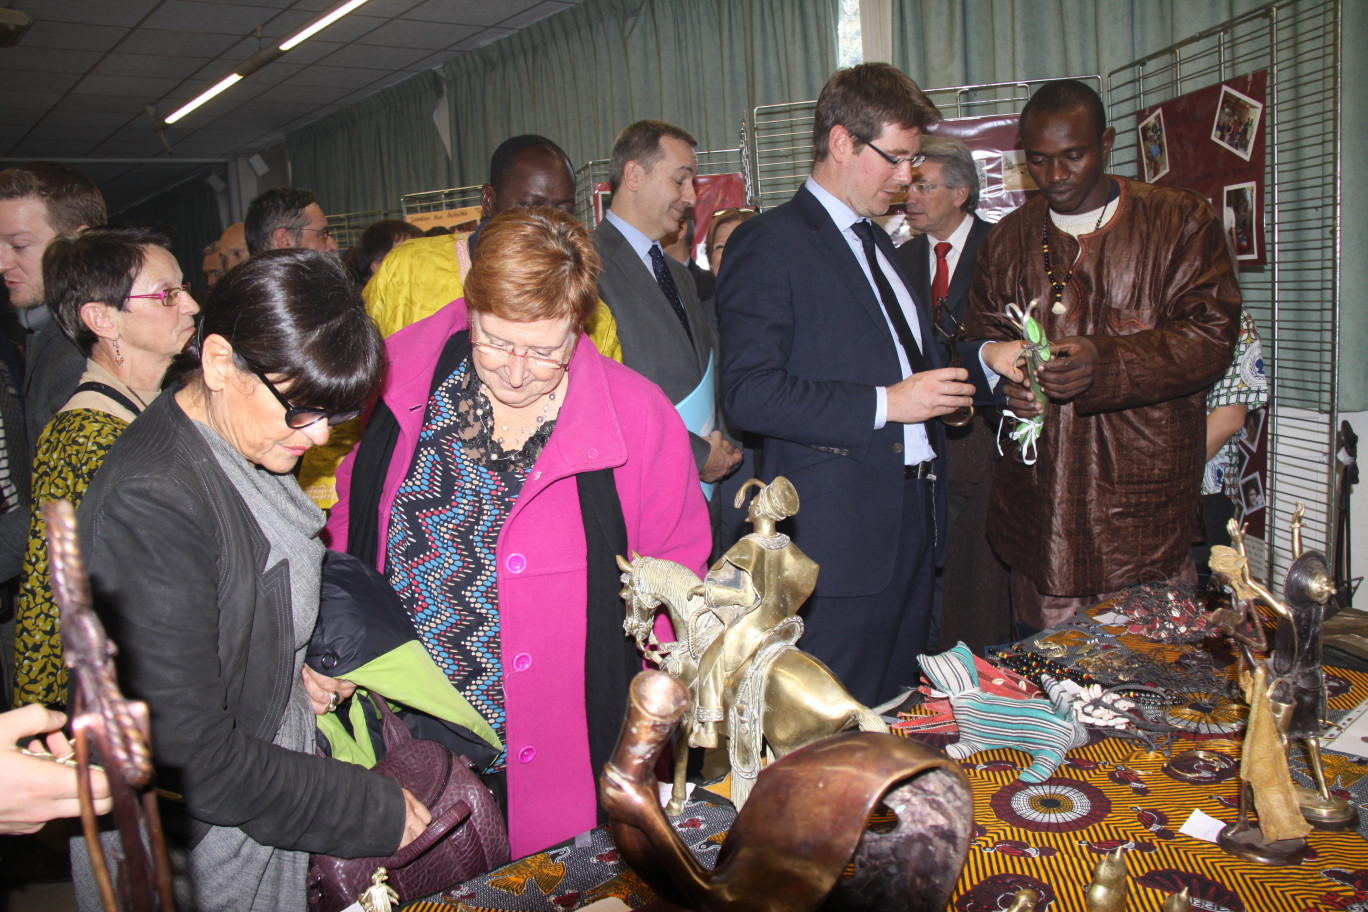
{"x": 808, "y": 821}
{"x": 1287, "y": 697}
{"x": 117, "y": 730}
{"x": 736, "y": 652}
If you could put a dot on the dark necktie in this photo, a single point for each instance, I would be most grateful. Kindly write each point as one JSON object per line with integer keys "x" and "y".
{"x": 865, "y": 232}
{"x": 667, "y": 285}
{"x": 940, "y": 285}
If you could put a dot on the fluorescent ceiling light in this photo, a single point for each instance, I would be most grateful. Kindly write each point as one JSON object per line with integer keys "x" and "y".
{"x": 225, "y": 83}
{"x": 321, "y": 24}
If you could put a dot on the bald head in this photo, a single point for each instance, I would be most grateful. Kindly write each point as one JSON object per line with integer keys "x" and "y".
{"x": 534, "y": 172}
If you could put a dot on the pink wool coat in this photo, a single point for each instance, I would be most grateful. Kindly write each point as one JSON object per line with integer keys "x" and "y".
{"x": 611, "y": 417}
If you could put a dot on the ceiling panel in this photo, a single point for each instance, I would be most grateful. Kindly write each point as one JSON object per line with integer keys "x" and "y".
{"x": 122, "y": 13}
{"x": 375, "y": 57}
{"x": 189, "y": 43}
{"x": 121, "y": 64}
{"x": 45, "y": 60}
{"x": 76, "y": 36}
{"x": 226, "y": 18}
{"x": 77, "y": 85}
{"x": 469, "y": 12}
{"x": 404, "y": 34}
{"x": 147, "y": 89}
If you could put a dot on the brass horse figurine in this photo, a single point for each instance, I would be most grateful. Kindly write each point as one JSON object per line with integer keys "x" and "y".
{"x": 755, "y": 684}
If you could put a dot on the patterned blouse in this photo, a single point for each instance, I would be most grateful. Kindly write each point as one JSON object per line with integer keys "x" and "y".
{"x": 71, "y": 449}
{"x": 1243, "y": 384}
{"x": 444, "y": 528}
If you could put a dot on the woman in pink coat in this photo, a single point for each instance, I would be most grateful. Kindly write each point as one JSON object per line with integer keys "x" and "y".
{"x": 505, "y": 466}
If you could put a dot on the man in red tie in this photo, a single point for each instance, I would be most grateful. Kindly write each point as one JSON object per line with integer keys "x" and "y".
{"x": 971, "y": 589}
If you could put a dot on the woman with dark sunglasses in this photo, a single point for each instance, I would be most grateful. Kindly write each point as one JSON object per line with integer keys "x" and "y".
{"x": 205, "y": 559}
{"x": 118, "y": 294}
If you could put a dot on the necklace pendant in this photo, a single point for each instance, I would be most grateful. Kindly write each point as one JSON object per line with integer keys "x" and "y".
{"x": 1059, "y": 309}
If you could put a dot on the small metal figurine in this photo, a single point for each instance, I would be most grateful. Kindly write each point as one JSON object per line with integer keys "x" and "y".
{"x": 736, "y": 652}
{"x": 379, "y": 896}
{"x": 1286, "y": 696}
{"x": 804, "y": 842}
{"x": 965, "y": 413}
{"x": 1109, "y": 890}
{"x": 119, "y": 730}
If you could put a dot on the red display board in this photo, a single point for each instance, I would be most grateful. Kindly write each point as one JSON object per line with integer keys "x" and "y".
{"x": 1212, "y": 141}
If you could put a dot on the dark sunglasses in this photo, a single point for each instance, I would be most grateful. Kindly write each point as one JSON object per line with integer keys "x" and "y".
{"x": 300, "y": 418}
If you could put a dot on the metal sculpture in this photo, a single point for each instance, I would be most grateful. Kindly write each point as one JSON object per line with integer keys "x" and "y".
{"x": 115, "y": 727}
{"x": 1286, "y": 695}
{"x": 808, "y": 822}
{"x": 736, "y": 652}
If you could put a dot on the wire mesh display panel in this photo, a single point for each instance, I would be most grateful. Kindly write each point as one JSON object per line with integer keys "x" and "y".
{"x": 1294, "y": 297}
{"x": 439, "y": 200}
{"x": 714, "y": 161}
{"x": 346, "y": 227}
{"x": 780, "y": 135}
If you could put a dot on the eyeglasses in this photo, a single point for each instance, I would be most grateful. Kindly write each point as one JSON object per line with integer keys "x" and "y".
{"x": 895, "y": 161}
{"x": 324, "y": 233}
{"x": 169, "y": 298}
{"x": 924, "y": 189}
{"x": 300, "y": 418}
{"x": 498, "y": 354}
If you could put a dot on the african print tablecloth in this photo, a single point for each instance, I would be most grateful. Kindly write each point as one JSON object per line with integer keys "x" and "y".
{"x": 1046, "y": 836}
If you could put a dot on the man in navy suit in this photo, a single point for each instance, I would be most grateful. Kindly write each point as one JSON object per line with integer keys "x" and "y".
{"x": 971, "y": 592}
{"x": 827, "y": 353}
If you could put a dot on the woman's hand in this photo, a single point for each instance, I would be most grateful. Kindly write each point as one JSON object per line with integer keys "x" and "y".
{"x": 38, "y": 789}
{"x": 325, "y": 692}
{"x": 416, "y": 818}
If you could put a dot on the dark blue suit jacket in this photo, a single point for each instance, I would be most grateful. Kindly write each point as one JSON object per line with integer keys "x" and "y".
{"x": 804, "y": 344}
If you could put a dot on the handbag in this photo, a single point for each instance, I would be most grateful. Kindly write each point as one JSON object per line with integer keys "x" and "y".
{"x": 466, "y": 837}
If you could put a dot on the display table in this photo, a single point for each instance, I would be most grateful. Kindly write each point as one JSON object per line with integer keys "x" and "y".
{"x": 1111, "y": 793}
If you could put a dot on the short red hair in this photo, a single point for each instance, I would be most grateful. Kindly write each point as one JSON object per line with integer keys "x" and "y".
{"x": 534, "y": 264}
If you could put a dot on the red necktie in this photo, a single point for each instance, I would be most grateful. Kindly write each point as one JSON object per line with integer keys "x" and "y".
{"x": 940, "y": 285}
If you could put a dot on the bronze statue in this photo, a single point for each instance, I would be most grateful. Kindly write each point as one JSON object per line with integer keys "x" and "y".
{"x": 807, "y": 822}
{"x": 736, "y": 655}
{"x": 118, "y": 728}
{"x": 1286, "y": 696}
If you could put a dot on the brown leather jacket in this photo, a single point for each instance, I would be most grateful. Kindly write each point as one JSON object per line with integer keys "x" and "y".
{"x": 1114, "y": 494}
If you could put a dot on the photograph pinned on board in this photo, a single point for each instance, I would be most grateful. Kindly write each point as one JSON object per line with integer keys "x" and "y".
{"x": 1253, "y": 426}
{"x": 1154, "y": 147}
{"x": 1252, "y": 493}
{"x": 1239, "y": 211}
{"x": 1237, "y": 122}
{"x": 1015, "y": 175}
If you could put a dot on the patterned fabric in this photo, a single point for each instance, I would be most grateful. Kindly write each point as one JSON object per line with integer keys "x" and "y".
{"x": 1045, "y": 729}
{"x": 1244, "y": 384}
{"x": 443, "y": 533}
{"x": 71, "y": 449}
{"x": 1045, "y": 836}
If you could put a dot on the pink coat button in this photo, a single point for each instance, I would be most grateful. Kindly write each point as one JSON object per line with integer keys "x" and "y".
{"x": 526, "y": 754}
{"x": 522, "y": 661}
{"x": 593, "y": 454}
{"x": 516, "y": 563}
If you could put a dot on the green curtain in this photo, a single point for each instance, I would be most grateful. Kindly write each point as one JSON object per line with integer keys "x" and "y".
{"x": 366, "y": 156}
{"x": 191, "y": 211}
{"x": 583, "y": 74}
{"x": 942, "y": 43}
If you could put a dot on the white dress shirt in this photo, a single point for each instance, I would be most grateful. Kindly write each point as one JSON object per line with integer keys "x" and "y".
{"x": 916, "y": 443}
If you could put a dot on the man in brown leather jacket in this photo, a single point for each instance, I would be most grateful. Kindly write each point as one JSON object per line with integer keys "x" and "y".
{"x": 1138, "y": 296}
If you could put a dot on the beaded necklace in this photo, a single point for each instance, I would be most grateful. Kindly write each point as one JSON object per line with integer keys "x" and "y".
{"x": 1057, "y": 307}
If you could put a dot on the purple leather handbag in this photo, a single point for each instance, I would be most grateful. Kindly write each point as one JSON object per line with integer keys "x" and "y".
{"x": 466, "y": 837}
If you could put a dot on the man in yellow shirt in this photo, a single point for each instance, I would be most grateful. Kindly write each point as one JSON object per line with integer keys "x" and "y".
{"x": 421, "y": 276}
